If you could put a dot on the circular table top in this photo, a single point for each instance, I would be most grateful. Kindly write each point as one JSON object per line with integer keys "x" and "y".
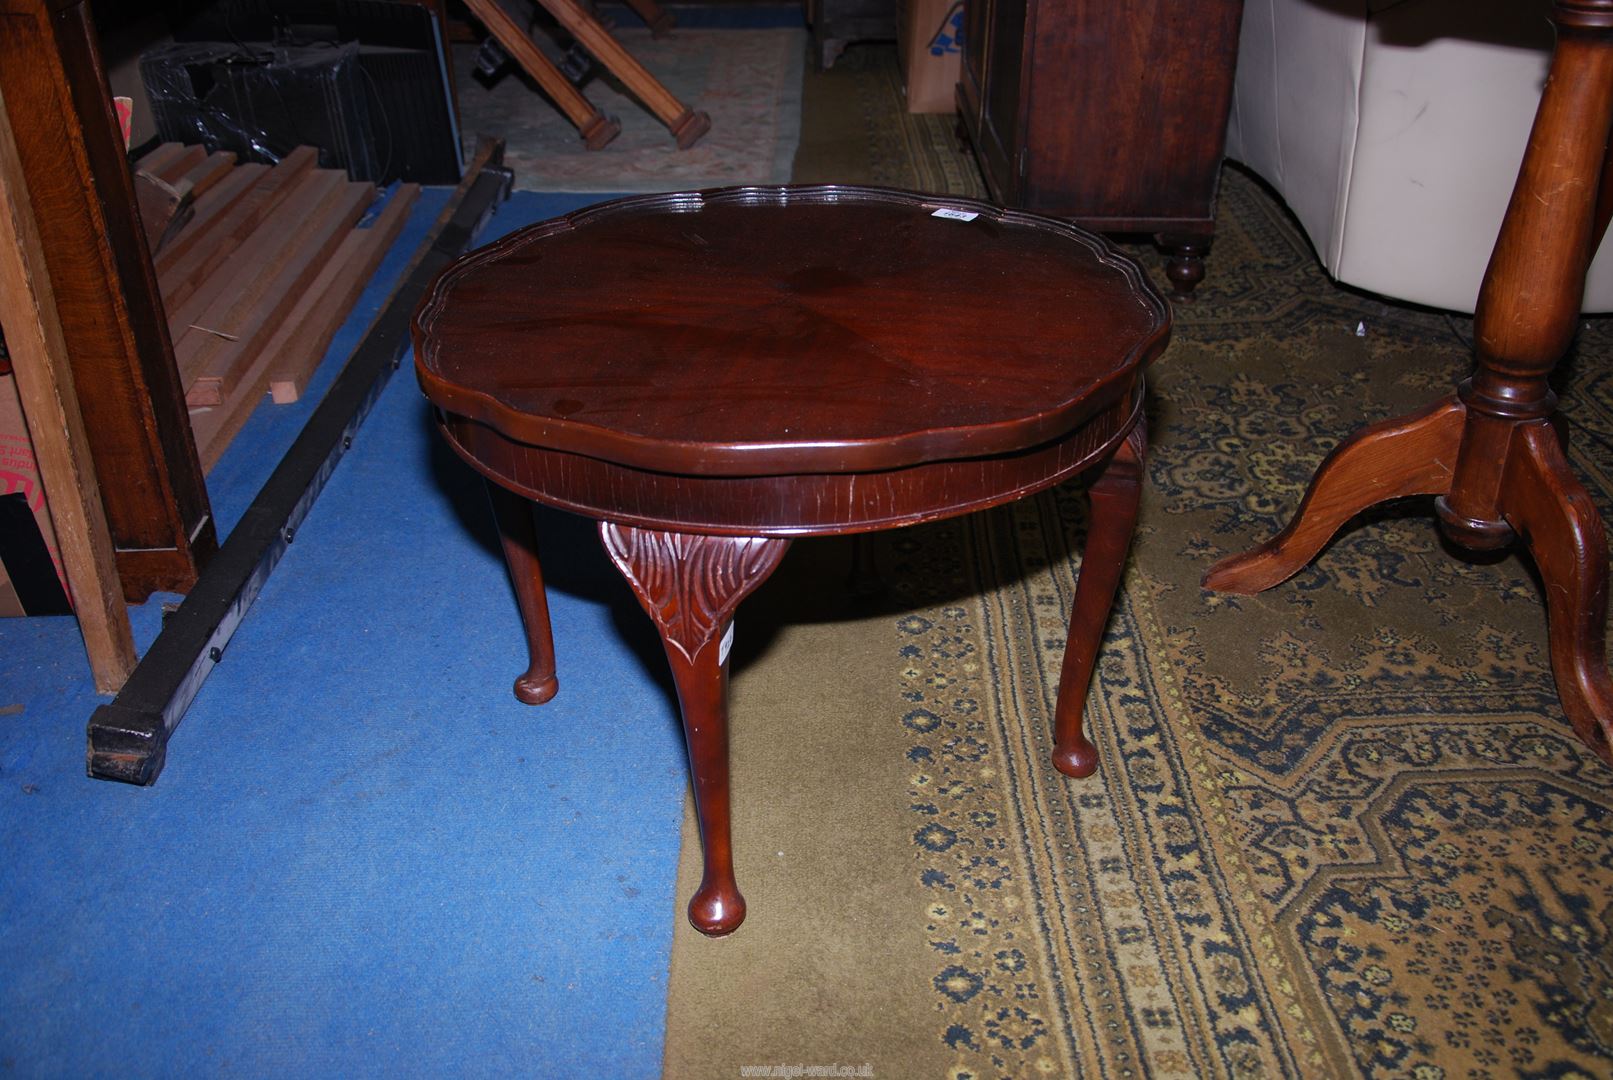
{"x": 771, "y": 331}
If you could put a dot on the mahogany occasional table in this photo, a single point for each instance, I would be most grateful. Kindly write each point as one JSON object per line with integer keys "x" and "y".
{"x": 711, "y": 374}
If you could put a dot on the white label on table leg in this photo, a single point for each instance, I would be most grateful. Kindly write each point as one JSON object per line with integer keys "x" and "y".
{"x": 726, "y": 644}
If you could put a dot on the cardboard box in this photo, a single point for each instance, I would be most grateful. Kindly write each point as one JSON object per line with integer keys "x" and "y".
{"x": 930, "y": 45}
{"x": 20, "y": 474}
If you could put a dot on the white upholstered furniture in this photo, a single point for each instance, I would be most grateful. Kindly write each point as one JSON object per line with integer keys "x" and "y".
{"x": 1394, "y": 130}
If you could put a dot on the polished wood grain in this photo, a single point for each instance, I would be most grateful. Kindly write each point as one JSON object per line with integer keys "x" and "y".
{"x": 1111, "y": 114}
{"x": 690, "y": 585}
{"x": 82, "y": 195}
{"x": 1493, "y": 453}
{"x": 1406, "y": 455}
{"x": 807, "y": 504}
{"x": 711, "y": 374}
{"x": 1115, "y": 495}
{"x": 31, "y": 315}
{"x": 519, "y": 537}
{"x": 814, "y": 330}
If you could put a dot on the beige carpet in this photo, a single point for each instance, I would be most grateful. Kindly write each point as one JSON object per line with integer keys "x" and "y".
{"x": 1339, "y": 829}
{"x": 748, "y": 81}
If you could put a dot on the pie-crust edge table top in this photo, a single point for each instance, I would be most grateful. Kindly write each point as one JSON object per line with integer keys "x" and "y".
{"x": 803, "y": 330}
{"x": 708, "y": 374}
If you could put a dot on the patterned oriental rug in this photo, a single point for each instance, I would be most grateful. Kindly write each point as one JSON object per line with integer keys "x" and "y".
{"x": 1341, "y": 828}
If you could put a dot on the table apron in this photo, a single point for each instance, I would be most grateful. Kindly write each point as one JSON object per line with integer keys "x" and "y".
{"x": 810, "y": 504}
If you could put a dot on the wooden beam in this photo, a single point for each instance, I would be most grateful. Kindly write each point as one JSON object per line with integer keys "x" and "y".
{"x": 193, "y": 280}
{"x": 300, "y": 343}
{"x": 686, "y": 124}
{"x": 44, "y": 374}
{"x": 315, "y": 240}
{"x": 160, "y": 157}
{"x": 209, "y": 172}
{"x": 174, "y": 168}
{"x": 165, "y": 207}
{"x": 211, "y": 206}
{"x": 595, "y": 127}
{"x": 128, "y": 739}
{"x": 81, "y": 195}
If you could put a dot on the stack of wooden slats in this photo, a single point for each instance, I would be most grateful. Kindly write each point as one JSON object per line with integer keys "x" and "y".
{"x": 262, "y": 274}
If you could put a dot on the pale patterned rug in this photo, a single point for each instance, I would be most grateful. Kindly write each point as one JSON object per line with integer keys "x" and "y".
{"x": 1339, "y": 829}
{"x": 748, "y": 81}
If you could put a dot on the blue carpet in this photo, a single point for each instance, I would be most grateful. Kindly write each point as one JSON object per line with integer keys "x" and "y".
{"x": 364, "y": 857}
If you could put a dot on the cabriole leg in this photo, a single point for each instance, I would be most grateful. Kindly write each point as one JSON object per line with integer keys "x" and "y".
{"x": 519, "y": 537}
{"x": 690, "y": 585}
{"x": 1115, "y": 495}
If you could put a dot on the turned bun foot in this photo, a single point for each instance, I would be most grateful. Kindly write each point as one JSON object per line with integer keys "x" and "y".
{"x": 1078, "y": 759}
{"x": 533, "y": 689}
{"x": 1184, "y": 262}
{"x": 717, "y": 909}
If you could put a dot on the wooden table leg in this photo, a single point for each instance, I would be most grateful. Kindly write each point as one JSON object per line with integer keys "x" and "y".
{"x": 864, "y": 582}
{"x": 690, "y": 586}
{"x": 1114, "y": 496}
{"x": 519, "y": 536}
{"x": 687, "y": 125}
{"x": 1408, "y": 455}
{"x": 595, "y": 128}
{"x": 1492, "y": 454}
{"x": 1553, "y": 514}
{"x": 656, "y": 17}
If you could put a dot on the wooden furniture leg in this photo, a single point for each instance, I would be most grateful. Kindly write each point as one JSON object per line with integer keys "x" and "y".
{"x": 43, "y": 370}
{"x": 1552, "y": 513}
{"x": 690, "y": 586}
{"x": 596, "y": 128}
{"x": 1114, "y": 496}
{"x": 1510, "y": 479}
{"x": 686, "y": 124}
{"x": 519, "y": 537}
{"x": 1184, "y": 261}
{"x": 656, "y": 17}
{"x": 1408, "y": 455}
{"x": 864, "y": 582}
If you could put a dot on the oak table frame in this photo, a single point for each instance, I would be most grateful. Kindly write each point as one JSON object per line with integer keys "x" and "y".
{"x": 709, "y": 375}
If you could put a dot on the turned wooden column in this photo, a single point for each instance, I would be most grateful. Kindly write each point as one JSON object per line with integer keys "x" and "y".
{"x": 1492, "y": 454}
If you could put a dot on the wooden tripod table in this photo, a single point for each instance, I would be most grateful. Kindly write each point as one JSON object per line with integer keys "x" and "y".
{"x": 1493, "y": 452}
{"x": 711, "y": 374}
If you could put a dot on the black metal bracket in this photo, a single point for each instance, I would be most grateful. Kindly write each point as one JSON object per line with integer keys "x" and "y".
{"x": 128, "y": 739}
